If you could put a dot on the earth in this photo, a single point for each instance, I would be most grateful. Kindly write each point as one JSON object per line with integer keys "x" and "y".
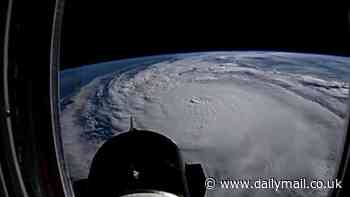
{"x": 241, "y": 114}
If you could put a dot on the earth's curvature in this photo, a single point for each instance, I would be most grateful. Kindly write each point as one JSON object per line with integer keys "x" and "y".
{"x": 241, "y": 114}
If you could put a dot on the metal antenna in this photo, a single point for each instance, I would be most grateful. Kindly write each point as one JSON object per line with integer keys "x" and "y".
{"x": 131, "y": 124}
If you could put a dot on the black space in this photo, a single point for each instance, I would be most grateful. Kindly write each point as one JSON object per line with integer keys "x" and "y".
{"x": 97, "y": 32}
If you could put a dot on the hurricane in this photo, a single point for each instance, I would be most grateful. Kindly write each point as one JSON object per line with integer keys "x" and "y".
{"x": 241, "y": 114}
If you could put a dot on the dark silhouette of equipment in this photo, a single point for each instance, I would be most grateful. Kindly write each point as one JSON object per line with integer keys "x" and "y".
{"x": 141, "y": 161}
